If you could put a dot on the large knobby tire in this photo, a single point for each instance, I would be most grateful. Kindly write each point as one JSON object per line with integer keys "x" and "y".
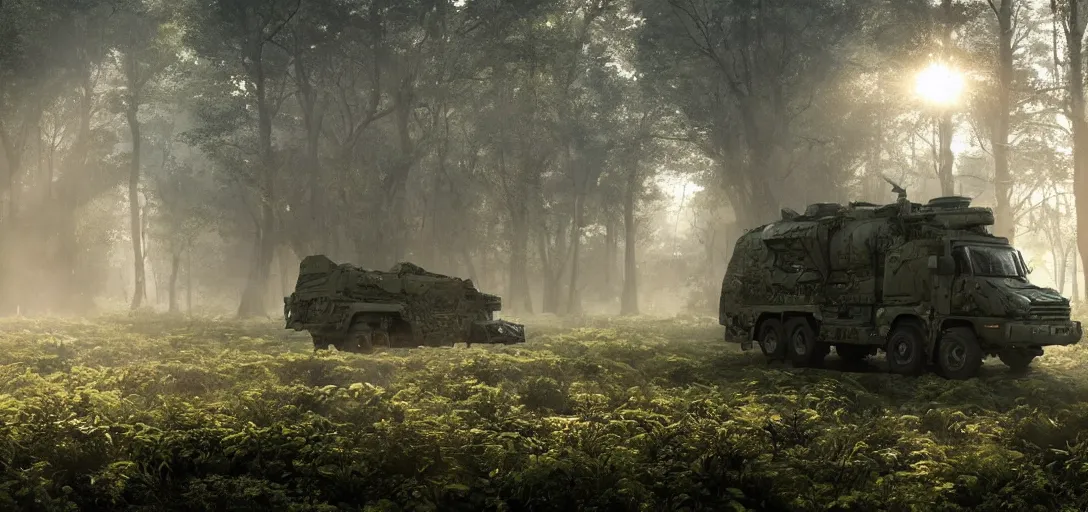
{"x": 321, "y": 342}
{"x": 358, "y": 339}
{"x": 772, "y": 339}
{"x": 802, "y": 346}
{"x": 1017, "y": 360}
{"x": 906, "y": 349}
{"x": 959, "y": 355}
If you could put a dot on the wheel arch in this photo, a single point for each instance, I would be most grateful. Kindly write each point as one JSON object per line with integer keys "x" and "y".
{"x": 916, "y": 320}
{"x": 905, "y": 318}
{"x": 363, "y": 309}
{"x": 762, "y": 319}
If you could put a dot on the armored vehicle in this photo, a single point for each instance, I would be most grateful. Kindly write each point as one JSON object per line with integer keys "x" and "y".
{"x": 355, "y": 309}
{"x": 926, "y": 284}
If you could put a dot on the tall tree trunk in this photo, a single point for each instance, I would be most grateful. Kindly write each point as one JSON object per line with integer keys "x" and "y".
{"x": 1074, "y": 278}
{"x": 175, "y": 267}
{"x": 311, "y": 121}
{"x": 554, "y": 265}
{"x": 574, "y": 299}
{"x": 1056, "y": 273}
{"x": 518, "y": 282}
{"x": 1074, "y": 42}
{"x": 189, "y": 279}
{"x": 1004, "y": 225}
{"x": 629, "y": 297}
{"x": 13, "y": 155}
{"x": 253, "y": 298}
{"x": 76, "y": 297}
{"x": 873, "y": 182}
{"x": 139, "y": 292}
{"x": 391, "y": 230}
{"x": 945, "y": 157}
{"x": 944, "y": 121}
{"x": 1063, "y": 267}
{"x": 610, "y": 242}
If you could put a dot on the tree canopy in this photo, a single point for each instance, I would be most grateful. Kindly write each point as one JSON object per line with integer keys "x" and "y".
{"x": 562, "y": 152}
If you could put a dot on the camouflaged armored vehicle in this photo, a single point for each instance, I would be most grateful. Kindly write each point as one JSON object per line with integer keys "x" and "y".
{"x": 926, "y": 284}
{"x": 355, "y": 309}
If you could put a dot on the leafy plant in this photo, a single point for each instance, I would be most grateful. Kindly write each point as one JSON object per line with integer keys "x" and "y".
{"x": 156, "y": 412}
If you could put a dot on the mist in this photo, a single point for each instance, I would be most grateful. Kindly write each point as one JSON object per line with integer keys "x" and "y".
{"x": 520, "y": 145}
{"x": 167, "y": 166}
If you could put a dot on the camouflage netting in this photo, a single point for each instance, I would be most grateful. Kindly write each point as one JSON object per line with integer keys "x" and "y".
{"x": 438, "y": 309}
{"x": 802, "y": 261}
{"x": 407, "y": 268}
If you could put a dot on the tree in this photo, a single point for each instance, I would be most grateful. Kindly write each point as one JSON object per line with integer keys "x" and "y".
{"x": 245, "y": 36}
{"x": 1072, "y": 17}
{"x": 743, "y": 74}
{"x": 146, "y": 47}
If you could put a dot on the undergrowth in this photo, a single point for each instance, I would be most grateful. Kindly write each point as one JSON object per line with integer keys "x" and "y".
{"x": 161, "y": 413}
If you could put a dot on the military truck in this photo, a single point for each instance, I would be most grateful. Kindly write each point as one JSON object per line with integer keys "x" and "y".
{"x": 926, "y": 284}
{"x": 355, "y": 309}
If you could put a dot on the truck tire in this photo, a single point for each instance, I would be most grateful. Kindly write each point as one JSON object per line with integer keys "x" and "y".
{"x": 959, "y": 355}
{"x": 772, "y": 339}
{"x": 1017, "y": 360}
{"x": 358, "y": 340}
{"x": 803, "y": 347}
{"x": 906, "y": 349}
{"x": 321, "y": 342}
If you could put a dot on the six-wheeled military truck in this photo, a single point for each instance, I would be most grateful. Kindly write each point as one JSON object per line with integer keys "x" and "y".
{"x": 355, "y": 309}
{"x": 927, "y": 284}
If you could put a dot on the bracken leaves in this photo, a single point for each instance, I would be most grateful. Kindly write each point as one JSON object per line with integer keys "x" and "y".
{"x": 153, "y": 413}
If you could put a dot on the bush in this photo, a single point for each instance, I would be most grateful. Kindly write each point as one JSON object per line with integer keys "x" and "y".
{"x": 153, "y": 413}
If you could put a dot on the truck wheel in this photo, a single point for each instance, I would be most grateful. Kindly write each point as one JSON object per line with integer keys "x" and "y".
{"x": 772, "y": 339}
{"x": 1017, "y": 360}
{"x": 358, "y": 340}
{"x": 320, "y": 342}
{"x": 906, "y": 349}
{"x": 959, "y": 355}
{"x": 803, "y": 348}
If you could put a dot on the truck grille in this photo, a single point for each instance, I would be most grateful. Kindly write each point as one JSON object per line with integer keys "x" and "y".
{"x": 1049, "y": 312}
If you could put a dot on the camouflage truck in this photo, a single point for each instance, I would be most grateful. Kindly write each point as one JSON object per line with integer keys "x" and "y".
{"x": 926, "y": 284}
{"x": 355, "y": 309}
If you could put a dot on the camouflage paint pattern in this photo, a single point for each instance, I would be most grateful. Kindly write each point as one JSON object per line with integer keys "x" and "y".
{"x": 404, "y": 307}
{"x": 857, "y": 269}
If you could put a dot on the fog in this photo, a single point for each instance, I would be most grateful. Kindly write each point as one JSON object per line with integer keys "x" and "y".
{"x": 574, "y": 157}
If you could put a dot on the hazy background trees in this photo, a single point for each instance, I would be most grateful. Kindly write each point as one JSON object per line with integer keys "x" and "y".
{"x": 573, "y": 155}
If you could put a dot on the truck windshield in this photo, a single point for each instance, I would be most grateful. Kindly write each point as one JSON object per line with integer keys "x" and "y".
{"x": 994, "y": 262}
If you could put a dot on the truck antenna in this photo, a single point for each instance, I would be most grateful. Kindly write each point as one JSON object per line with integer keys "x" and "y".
{"x": 900, "y": 191}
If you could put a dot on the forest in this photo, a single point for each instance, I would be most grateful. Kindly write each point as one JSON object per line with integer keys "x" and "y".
{"x": 165, "y": 165}
{"x": 185, "y": 155}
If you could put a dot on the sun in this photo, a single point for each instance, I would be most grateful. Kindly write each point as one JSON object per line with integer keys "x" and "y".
{"x": 939, "y": 84}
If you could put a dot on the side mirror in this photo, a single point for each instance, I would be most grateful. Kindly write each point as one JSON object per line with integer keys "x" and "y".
{"x": 942, "y": 265}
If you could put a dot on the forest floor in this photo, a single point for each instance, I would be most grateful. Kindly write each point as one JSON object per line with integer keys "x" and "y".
{"x": 157, "y": 413}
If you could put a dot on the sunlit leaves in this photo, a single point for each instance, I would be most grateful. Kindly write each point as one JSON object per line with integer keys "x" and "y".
{"x": 625, "y": 414}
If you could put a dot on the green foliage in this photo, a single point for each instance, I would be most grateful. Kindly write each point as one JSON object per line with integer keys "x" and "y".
{"x": 617, "y": 414}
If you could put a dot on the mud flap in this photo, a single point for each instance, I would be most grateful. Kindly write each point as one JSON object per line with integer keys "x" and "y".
{"x": 745, "y": 342}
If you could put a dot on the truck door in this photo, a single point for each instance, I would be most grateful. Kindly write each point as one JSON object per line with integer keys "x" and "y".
{"x": 906, "y": 279}
{"x": 941, "y": 294}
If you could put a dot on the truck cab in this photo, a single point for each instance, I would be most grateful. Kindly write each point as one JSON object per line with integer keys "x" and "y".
{"x": 926, "y": 284}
